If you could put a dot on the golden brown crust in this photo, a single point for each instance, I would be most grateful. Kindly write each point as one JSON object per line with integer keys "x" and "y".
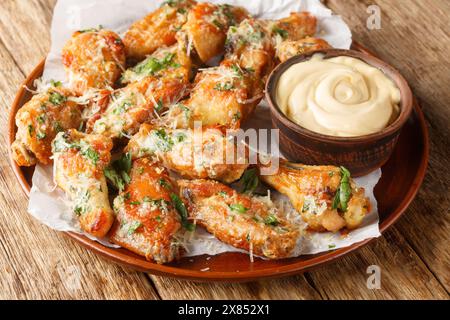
{"x": 207, "y": 25}
{"x": 147, "y": 220}
{"x": 158, "y": 29}
{"x": 311, "y": 190}
{"x": 79, "y": 163}
{"x": 242, "y": 221}
{"x": 289, "y": 49}
{"x": 38, "y": 122}
{"x": 194, "y": 154}
{"x": 93, "y": 59}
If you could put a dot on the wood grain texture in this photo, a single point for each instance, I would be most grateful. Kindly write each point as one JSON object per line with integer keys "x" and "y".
{"x": 415, "y": 37}
{"x": 413, "y": 256}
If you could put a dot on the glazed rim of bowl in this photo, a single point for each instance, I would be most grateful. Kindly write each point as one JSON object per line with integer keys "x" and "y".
{"x": 406, "y": 103}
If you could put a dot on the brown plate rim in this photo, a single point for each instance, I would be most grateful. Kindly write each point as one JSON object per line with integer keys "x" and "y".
{"x": 138, "y": 263}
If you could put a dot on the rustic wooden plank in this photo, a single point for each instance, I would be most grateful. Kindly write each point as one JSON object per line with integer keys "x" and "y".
{"x": 344, "y": 279}
{"x": 415, "y": 38}
{"x": 403, "y": 275}
{"x": 36, "y": 262}
{"x": 25, "y": 22}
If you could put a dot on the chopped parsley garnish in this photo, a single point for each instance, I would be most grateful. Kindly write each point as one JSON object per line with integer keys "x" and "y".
{"x": 224, "y": 86}
{"x": 58, "y": 127}
{"x": 180, "y": 137}
{"x": 151, "y": 65}
{"x": 182, "y": 211}
{"x": 41, "y": 118}
{"x": 41, "y": 135}
{"x": 237, "y": 70}
{"x": 217, "y": 24}
{"x": 30, "y": 130}
{"x": 271, "y": 220}
{"x": 57, "y": 98}
{"x": 159, "y": 105}
{"x": 55, "y": 84}
{"x": 223, "y": 194}
{"x": 78, "y": 210}
{"x": 238, "y": 208}
{"x": 118, "y": 173}
{"x": 163, "y": 183}
{"x": 134, "y": 226}
{"x": 331, "y": 246}
{"x": 91, "y": 154}
{"x": 343, "y": 193}
{"x": 135, "y": 203}
{"x": 163, "y": 140}
{"x": 281, "y": 32}
{"x": 100, "y": 27}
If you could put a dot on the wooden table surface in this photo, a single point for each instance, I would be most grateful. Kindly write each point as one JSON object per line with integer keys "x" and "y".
{"x": 414, "y": 257}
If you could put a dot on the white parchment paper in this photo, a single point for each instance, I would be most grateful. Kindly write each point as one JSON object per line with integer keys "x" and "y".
{"x": 49, "y": 204}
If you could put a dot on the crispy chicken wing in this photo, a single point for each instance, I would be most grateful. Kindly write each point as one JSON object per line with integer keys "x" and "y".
{"x": 147, "y": 220}
{"x": 289, "y": 49}
{"x": 135, "y": 104}
{"x": 158, "y": 29}
{"x": 222, "y": 96}
{"x": 251, "y": 45}
{"x": 79, "y": 161}
{"x": 245, "y": 222}
{"x": 38, "y": 122}
{"x": 207, "y": 25}
{"x": 196, "y": 154}
{"x": 297, "y": 26}
{"x": 325, "y": 196}
{"x": 93, "y": 59}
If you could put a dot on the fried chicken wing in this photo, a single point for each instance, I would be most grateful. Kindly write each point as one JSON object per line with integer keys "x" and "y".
{"x": 222, "y": 96}
{"x": 289, "y": 49}
{"x": 38, "y": 122}
{"x": 325, "y": 196}
{"x": 93, "y": 59}
{"x": 207, "y": 25}
{"x": 245, "y": 222}
{"x": 252, "y": 46}
{"x": 297, "y": 26}
{"x": 158, "y": 29}
{"x": 135, "y": 104}
{"x": 147, "y": 220}
{"x": 194, "y": 154}
{"x": 79, "y": 161}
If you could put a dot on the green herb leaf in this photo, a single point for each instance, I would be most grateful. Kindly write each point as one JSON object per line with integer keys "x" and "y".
{"x": 182, "y": 211}
{"x": 56, "y": 98}
{"x": 55, "y": 84}
{"x": 343, "y": 193}
{"x": 124, "y": 163}
{"x": 250, "y": 181}
{"x": 238, "y": 208}
{"x": 163, "y": 183}
{"x": 281, "y": 32}
{"x": 163, "y": 140}
{"x": 114, "y": 179}
{"x": 271, "y": 220}
{"x": 41, "y": 135}
{"x": 134, "y": 226}
{"x": 224, "y": 86}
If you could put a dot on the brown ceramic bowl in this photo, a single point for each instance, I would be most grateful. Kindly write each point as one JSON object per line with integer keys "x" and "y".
{"x": 360, "y": 155}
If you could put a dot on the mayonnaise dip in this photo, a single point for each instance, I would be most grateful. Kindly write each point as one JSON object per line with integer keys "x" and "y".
{"x": 340, "y": 96}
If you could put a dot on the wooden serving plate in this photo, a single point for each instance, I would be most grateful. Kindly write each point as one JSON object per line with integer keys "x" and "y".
{"x": 401, "y": 178}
